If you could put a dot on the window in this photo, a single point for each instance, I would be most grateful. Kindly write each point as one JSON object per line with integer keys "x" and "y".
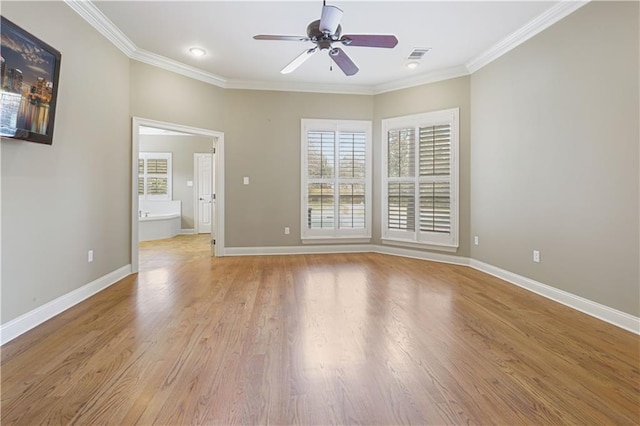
{"x": 154, "y": 175}
{"x": 420, "y": 180}
{"x": 336, "y": 180}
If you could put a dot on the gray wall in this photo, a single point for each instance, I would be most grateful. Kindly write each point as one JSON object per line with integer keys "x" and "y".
{"x": 554, "y": 163}
{"x": 452, "y": 93}
{"x": 262, "y": 141}
{"x": 60, "y": 201}
{"x": 182, "y": 148}
{"x": 162, "y": 95}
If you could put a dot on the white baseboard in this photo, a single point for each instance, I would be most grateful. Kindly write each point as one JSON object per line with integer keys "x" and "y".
{"x": 287, "y": 250}
{"x": 420, "y": 254}
{"x": 187, "y": 232}
{"x": 346, "y": 248}
{"x": 31, "y": 319}
{"x": 597, "y": 310}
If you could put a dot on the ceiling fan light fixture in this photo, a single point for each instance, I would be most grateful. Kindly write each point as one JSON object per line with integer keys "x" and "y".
{"x": 197, "y": 51}
{"x": 330, "y": 19}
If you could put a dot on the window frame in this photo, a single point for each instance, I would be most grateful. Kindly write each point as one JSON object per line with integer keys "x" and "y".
{"x": 145, "y": 175}
{"x": 336, "y": 234}
{"x": 417, "y": 238}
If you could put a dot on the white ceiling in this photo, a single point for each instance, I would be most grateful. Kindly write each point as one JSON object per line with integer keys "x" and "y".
{"x": 458, "y": 34}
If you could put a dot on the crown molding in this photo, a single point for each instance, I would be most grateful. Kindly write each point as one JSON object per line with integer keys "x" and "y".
{"x": 344, "y": 89}
{"x": 532, "y": 28}
{"x": 418, "y": 80}
{"x": 163, "y": 62}
{"x": 103, "y": 25}
{"x": 92, "y": 15}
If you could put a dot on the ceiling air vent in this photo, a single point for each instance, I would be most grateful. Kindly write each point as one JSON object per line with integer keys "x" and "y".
{"x": 417, "y": 53}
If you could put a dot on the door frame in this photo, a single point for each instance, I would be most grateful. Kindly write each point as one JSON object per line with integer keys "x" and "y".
{"x": 217, "y": 143}
{"x": 196, "y": 187}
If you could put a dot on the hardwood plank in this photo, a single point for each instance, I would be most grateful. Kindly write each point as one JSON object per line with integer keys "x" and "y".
{"x": 318, "y": 339}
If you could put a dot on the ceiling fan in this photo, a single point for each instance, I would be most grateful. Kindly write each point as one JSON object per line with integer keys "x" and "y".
{"x": 326, "y": 31}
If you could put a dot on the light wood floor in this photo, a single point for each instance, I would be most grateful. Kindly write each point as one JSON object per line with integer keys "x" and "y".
{"x": 322, "y": 339}
{"x": 173, "y": 251}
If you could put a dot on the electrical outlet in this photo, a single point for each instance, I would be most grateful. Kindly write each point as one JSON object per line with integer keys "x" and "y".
{"x": 536, "y": 256}
{"x": 245, "y": 180}
{"x": 475, "y": 240}
{"x": 286, "y": 230}
{"x": 90, "y": 256}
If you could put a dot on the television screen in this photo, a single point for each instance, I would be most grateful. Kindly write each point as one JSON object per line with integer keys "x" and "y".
{"x": 29, "y": 85}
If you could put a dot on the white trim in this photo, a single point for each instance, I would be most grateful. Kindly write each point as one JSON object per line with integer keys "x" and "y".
{"x": 412, "y": 244}
{"x": 187, "y": 232}
{"x": 594, "y": 309}
{"x": 419, "y": 80}
{"x": 165, "y": 63}
{"x": 540, "y": 23}
{"x": 103, "y": 25}
{"x": 336, "y": 240}
{"x": 293, "y": 250}
{"x": 218, "y": 143}
{"x": 347, "y": 248}
{"x": 423, "y": 255}
{"x": 343, "y": 89}
{"x": 35, "y": 317}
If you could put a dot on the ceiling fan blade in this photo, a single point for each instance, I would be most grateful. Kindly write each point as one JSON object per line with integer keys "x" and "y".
{"x": 330, "y": 19}
{"x": 369, "y": 40}
{"x": 280, "y": 37}
{"x": 343, "y": 61}
{"x": 293, "y": 65}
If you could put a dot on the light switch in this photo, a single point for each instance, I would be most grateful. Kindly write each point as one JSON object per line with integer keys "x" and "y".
{"x": 189, "y": 183}
{"x": 246, "y": 180}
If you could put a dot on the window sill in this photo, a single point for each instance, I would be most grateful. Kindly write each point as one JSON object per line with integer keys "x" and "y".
{"x": 336, "y": 240}
{"x": 423, "y": 246}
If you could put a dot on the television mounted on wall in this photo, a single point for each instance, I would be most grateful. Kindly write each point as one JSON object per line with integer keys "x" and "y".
{"x": 28, "y": 85}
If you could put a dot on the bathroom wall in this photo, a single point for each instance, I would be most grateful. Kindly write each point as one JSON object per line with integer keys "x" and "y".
{"x": 182, "y": 148}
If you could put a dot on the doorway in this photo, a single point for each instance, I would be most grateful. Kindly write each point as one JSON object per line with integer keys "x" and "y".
{"x": 214, "y": 210}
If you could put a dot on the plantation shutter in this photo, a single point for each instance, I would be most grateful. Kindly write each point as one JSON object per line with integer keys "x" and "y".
{"x": 352, "y": 150}
{"x": 320, "y": 169}
{"x": 154, "y": 175}
{"x": 141, "y": 176}
{"x": 420, "y": 186}
{"x": 435, "y": 178}
{"x": 336, "y": 179}
{"x": 401, "y": 186}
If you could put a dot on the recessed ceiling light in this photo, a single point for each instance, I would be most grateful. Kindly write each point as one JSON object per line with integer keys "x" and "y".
{"x": 412, "y": 65}
{"x": 196, "y": 51}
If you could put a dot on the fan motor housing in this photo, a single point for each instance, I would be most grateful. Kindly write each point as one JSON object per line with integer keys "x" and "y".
{"x": 321, "y": 39}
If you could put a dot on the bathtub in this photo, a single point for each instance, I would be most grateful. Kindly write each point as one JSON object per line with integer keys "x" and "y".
{"x": 158, "y": 220}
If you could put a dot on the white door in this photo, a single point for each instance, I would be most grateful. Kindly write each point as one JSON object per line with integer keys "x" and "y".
{"x": 204, "y": 192}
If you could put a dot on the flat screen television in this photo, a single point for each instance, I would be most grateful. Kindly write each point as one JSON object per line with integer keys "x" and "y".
{"x": 29, "y": 85}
